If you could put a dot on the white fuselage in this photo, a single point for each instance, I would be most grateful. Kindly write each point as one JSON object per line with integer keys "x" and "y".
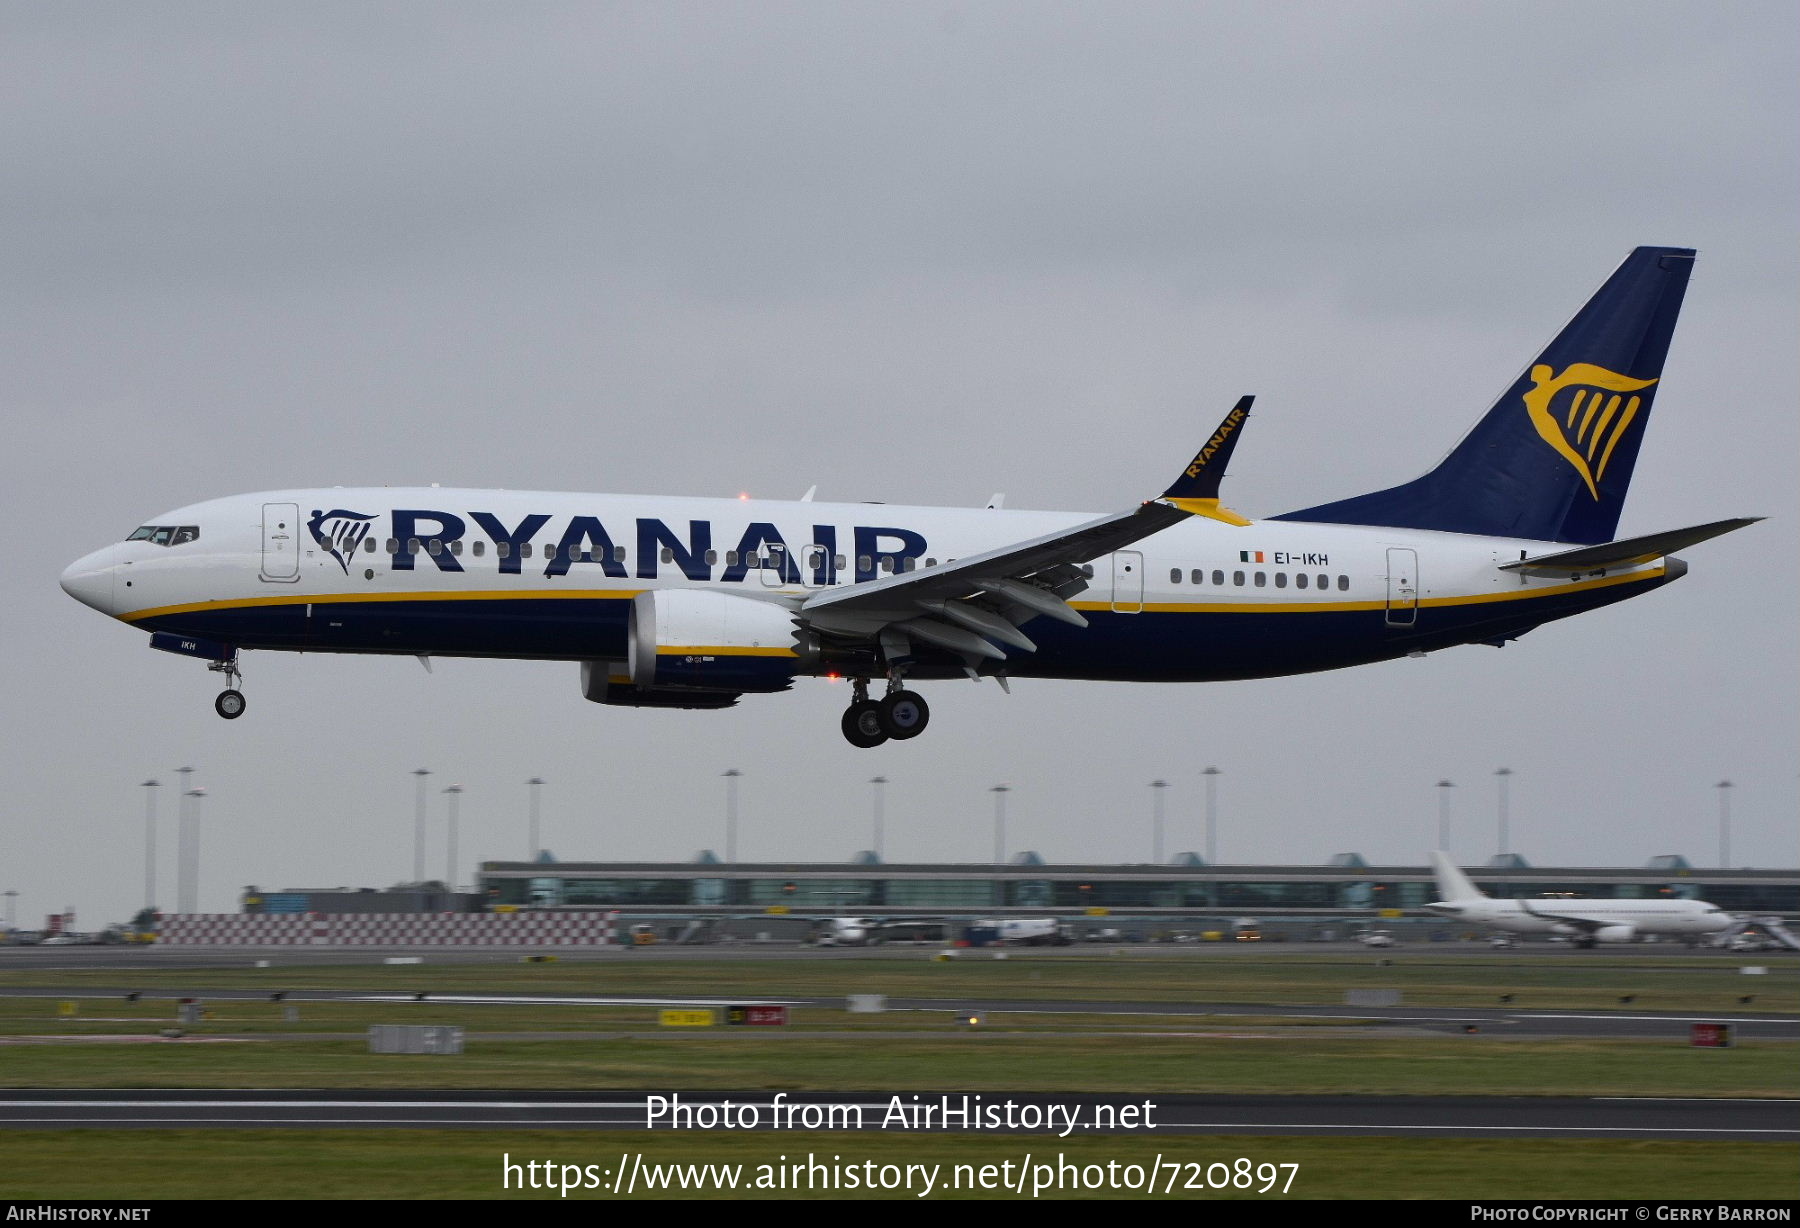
{"x": 436, "y": 571}
{"x": 1575, "y": 917}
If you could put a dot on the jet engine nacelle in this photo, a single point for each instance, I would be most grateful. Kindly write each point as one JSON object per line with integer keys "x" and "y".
{"x": 1615, "y": 933}
{"x": 695, "y": 640}
{"x": 604, "y": 683}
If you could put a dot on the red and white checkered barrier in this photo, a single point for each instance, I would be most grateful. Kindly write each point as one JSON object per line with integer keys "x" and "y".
{"x": 519, "y": 929}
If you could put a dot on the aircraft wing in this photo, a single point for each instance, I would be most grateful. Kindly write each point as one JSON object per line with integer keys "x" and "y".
{"x": 1626, "y": 553}
{"x": 963, "y": 605}
{"x": 1585, "y": 924}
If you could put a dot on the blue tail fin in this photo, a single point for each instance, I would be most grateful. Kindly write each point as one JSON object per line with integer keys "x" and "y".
{"x": 1552, "y": 458}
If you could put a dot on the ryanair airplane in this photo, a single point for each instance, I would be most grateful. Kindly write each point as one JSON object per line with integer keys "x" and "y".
{"x": 693, "y": 603}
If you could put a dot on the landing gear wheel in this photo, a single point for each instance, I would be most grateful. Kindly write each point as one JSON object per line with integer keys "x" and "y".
{"x": 229, "y": 704}
{"x": 904, "y": 714}
{"x": 862, "y": 724}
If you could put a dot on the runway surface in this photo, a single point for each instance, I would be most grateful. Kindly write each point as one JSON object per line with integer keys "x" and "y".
{"x": 998, "y": 1113}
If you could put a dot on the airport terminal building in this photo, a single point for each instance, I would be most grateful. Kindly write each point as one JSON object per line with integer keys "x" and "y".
{"x": 1347, "y": 888}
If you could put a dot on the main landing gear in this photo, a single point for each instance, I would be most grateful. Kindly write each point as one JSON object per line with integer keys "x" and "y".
{"x": 899, "y": 714}
{"x": 230, "y": 704}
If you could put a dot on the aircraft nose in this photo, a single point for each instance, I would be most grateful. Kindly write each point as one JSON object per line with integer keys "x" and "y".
{"x": 89, "y": 580}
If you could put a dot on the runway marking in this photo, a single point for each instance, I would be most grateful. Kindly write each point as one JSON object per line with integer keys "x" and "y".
{"x": 324, "y": 1121}
{"x": 1237, "y": 1126}
{"x": 1790, "y": 1019}
{"x": 1700, "y": 1099}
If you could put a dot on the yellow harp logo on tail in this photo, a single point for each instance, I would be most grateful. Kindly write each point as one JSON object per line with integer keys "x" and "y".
{"x": 1584, "y": 413}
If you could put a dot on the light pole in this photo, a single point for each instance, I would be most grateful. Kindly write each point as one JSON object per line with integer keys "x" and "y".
{"x": 1724, "y": 787}
{"x": 1156, "y": 820}
{"x": 1500, "y": 775}
{"x": 150, "y": 787}
{"x": 454, "y": 793}
{"x": 11, "y": 898}
{"x": 1000, "y": 792}
{"x": 190, "y": 902}
{"x": 536, "y": 783}
{"x": 183, "y": 837}
{"x": 731, "y": 776}
{"x": 1443, "y": 840}
{"x": 1212, "y": 775}
{"x": 876, "y": 782}
{"x": 419, "y": 775}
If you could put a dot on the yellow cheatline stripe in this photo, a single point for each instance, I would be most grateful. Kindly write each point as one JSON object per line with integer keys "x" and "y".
{"x": 1319, "y": 607}
{"x": 244, "y": 603}
{"x": 721, "y": 650}
{"x": 1216, "y": 607}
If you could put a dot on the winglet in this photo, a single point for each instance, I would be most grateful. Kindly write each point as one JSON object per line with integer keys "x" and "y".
{"x": 1197, "y": 489}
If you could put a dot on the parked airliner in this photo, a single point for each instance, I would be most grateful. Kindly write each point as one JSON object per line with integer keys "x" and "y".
{"x": 693, "y": 602}
{"x": 1584, "y": 922}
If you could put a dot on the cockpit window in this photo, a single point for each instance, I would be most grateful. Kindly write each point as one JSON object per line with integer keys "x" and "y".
{"x": 166, "y": 534}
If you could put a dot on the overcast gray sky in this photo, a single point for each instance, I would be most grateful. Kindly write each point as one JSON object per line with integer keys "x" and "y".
{"x": 913, "y": 253}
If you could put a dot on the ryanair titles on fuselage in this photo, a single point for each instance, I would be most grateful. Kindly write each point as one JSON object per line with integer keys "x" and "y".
{"x": 587, "y": 541}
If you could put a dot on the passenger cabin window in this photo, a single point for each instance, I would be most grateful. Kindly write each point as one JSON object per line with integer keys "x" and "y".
{"x": 1174, "y": 575}
{"x": 1300, "y": 580}
{"x": 712, "y": 557}
{"x": 668, "y": 555}
{"x": 1343, "y": 584}
{"x": 524, "y": 550}
{"x": 456, "y": 547}
{"x": 1324, "y": 581}
{"x": 393, "y": 546}
{"x": 1219, "y": 579}
{"x": 1281, "y": 579}
{"x": 1262, "y": 579}
{"x": 478, "y": 549}
{"x": 502, "y": 550}
{"x": 619, "y": 555}
{"x": 1237, "y": 578}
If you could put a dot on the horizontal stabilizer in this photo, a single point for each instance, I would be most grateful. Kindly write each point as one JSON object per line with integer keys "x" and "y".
{"x": 1627, "y": 553}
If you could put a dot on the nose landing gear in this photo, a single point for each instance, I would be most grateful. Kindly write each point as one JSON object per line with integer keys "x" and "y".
{"x": 230, "y": 704}
{"x": 899, "y": 714}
